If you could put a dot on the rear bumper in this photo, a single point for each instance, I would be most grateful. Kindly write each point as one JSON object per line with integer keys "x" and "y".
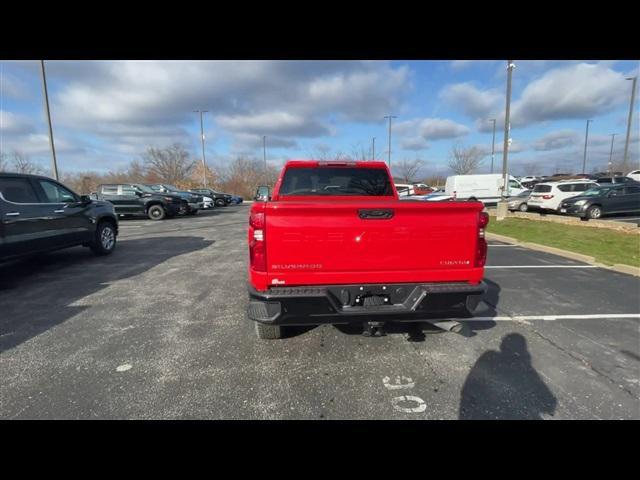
{"x": 315, "y": 305}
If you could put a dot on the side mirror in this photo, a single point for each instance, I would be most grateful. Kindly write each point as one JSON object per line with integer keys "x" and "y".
{"x": 85, "y": 199}
{"x": 262, "y": 194}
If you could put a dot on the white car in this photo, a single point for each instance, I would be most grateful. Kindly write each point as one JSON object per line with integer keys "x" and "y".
{"x": 528, "y": 178}
{"x": 635, "y": 175}
{"x": 549, "y": 195}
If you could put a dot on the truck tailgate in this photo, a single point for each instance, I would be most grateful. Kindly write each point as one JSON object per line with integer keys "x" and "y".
{"x": 365, "y": 241}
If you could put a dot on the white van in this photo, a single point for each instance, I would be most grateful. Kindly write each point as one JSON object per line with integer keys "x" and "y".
{"x": 486, "y": 188}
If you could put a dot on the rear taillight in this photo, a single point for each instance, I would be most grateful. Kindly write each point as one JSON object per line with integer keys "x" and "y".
{"x": 481, "y": 249}
{"x": 257, "y": 244}
{"x": 547, "y": 197}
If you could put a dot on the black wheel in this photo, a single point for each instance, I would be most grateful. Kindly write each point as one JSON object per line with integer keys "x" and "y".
{"x": 594, "y": 212}
{"x": 220, "y": 202}
{"x": 156, "y": 212}
{"x": 193, "y": 212}
{"x": 523, "y": 207}
{"x": 268, "y": 332}
{"x": 105, "y": 240}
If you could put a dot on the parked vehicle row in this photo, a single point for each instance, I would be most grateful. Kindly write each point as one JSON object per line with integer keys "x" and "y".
{"x": 39, "y": 214}
{"x": 587, "y": 199}
{"x": 160, "y": 201}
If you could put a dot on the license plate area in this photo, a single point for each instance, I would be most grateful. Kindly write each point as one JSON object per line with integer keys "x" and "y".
{"x": 352, "y": 298}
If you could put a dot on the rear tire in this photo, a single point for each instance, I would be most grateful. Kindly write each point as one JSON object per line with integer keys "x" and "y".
{"x": 594, "y": 212}
{"x": 220, "y": 202}
{"x": 268, "y": 332}
{"x": 156, "y": 212}
{"x": 523, "y": 207}
{"x": 105, "y": 239}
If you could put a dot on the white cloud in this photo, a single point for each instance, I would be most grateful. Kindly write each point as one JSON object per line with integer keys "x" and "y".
{"x": 556, "y": 140}
{"x": 470, "y": 100}
{"x": 576, "y": 91}
{"x": 12, "y": 123}
{"x": 414, "y": 143}
{"x": 286, "y": 98}
{"x": 431, "y": 129}
{"x": 283, "y": 123}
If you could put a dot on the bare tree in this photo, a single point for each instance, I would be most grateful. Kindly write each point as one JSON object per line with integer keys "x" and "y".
{"x": 325, "y": 153}
{"x": 463, "y": 161}
{"x": 22, "y": 164}
{"x": 408, "y": 169}
{"x": 169, "y": 165}
{"x": 244, "y": 175}
{"x": 360, "y": 153}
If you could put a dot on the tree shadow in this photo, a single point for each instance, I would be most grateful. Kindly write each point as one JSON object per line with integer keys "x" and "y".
{"x": 504, "y": 385}
{"x": 38, "y": 293}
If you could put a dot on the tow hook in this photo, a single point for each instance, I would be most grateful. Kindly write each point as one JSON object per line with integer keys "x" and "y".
{"x": 373, "y": 329}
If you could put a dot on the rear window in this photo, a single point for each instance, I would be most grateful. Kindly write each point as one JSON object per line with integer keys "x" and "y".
{"x": 542, "y": 188}
{"x": 336, "y": 181}
{"x": 605, "y": 180}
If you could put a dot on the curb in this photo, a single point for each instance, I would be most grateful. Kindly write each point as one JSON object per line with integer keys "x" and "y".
{"x": 618, "y": 267}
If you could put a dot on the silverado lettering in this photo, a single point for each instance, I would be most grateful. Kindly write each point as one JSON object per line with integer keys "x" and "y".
{"x": 350, "y": 251}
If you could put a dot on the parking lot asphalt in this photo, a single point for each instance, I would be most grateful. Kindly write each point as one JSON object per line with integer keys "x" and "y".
{"x": 157, "y": 330}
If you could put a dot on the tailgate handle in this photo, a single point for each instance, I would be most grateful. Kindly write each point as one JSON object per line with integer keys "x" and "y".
{"x": 376, "y": 214}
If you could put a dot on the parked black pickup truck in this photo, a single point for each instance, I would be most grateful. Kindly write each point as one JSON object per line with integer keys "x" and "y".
{"x": 138, "y": 199}
{"x": 38, "y": 214}
{"x": 219, "y": 199}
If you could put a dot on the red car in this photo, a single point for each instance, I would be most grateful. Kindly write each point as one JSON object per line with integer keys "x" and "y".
{"x": 334, "y": 244}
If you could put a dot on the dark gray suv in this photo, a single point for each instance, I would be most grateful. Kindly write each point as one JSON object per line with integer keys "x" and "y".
{"x": 38, "y": 214}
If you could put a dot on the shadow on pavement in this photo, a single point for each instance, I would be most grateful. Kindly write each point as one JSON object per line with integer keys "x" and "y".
{"x": 504, "y": 385}
{"x": 38, "y": 293}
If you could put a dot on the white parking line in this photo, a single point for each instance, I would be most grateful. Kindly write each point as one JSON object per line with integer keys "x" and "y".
{"x": 542, "y": 266}
{"x": 520, "y": 318}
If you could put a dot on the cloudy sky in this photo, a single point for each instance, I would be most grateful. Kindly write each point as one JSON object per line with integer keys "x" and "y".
{"x": 106, "y": 112}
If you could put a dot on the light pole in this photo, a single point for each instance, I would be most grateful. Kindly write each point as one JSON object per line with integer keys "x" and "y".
{"x": 613, "y": 135}
{"x": 507, "y": 130}
{"x": 626, "y": 143}
{"x": 586, "y": 136}
{"x": 390, "y": 117}
{"x": 493, "y": 142}
{"x": 264, "y": 151}
{"x": 204, "y": 163}
{"x": 54, "y": 164}
{"x": 501, "y": 212}
{"x": 373, "y": 148}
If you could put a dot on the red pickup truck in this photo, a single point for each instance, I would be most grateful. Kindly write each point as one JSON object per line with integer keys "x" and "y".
{"x": 334, "y": 244}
